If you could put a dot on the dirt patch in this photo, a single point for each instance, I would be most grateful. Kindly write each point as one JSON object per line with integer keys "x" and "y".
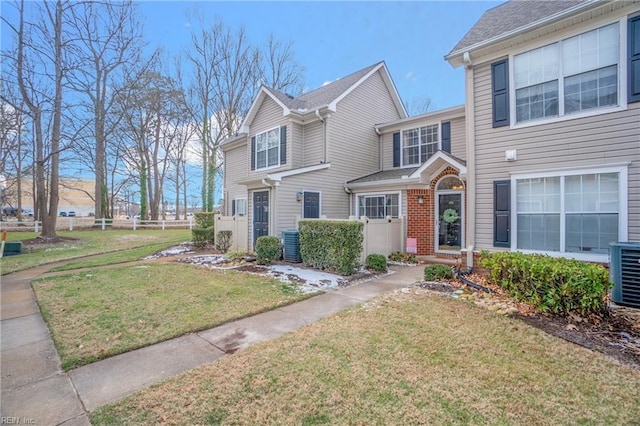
{"x": 41, "y": 240}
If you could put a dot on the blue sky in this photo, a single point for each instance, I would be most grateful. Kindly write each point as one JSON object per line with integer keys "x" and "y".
{"x": 334, "y": 39}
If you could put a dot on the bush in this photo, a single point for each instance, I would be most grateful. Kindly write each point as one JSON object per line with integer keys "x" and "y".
{"x": 437, "y": 272}
{"x": 556, "y": 285}
{"x": 267, "y": 250}
{"x": 201, "y": 236}
{"x": 235, "y": 255}
{"x": 376, "y": 262}
{"x": 403, "y": 257}
{"x": 223, "y": 241}
{"x": 331, "y": 244}
{"x": 204, "y": 219}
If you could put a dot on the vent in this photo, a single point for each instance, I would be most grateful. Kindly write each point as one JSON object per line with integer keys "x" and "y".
{"x": 625, "y": 273}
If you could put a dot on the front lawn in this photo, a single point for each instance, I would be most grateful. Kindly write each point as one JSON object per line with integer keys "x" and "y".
{"x": 100, "y": 313}
{"x": 85, "y": 243}
{"x": 407, "y": 359}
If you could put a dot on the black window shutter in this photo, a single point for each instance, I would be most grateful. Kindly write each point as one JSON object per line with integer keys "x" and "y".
{"x": 501, "y": 213}
{"x": 253, "y": 153}
{"x": 396, "y": 149}
{"x": 633, "y": 70}
{"x": 446, "y": 136}
{"x": 283, "y": 145}
{"x": 233, "y": 207}
{"x": 500, "y": 92}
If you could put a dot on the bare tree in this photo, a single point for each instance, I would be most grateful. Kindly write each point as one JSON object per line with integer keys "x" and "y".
{"x": 280, "y": 69}
{"x": 108, "y": 39}
{"x": 418, "y": 105}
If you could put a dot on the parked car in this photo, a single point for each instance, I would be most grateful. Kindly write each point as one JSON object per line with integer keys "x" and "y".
{"x": 63, "y": 214}
{"x": 72, "y": 214}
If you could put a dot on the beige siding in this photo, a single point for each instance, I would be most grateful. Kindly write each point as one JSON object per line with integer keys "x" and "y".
{"x": 458, "y": 138}
{"x": 235, "y": 169}
{"x": 353, "y": 142}
{"x": 590, "y": 142}
{"x": 313, "y": 145}
{"x": 295, "y": 144}
{"x": 269, "y": 116}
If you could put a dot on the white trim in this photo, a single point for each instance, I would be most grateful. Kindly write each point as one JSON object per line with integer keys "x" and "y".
{"x": 404, "y": 180}
{"x": 440, "y": 155}
{"x": 257, "y": 102}
{"x": 368, "y": 194}
{"x": 623, "y": 209}
{"x": 446, "y": 114}
{"x": 562, "y": 116}
{"x": 294, "y": 172}
{"x": 256, "y": 169}
{"x": 246, "y": 205}
{"x": 419, "y": 145}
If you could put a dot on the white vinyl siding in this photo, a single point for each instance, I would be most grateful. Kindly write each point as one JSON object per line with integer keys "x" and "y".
{"x": 576, "y": 74}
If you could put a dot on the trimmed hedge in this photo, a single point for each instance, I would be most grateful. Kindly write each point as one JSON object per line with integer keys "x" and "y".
{"x": 376, "y": 262}
{"x": 437, "y": 272}
{"x": 202, "y": 236}
{"x": 331, "y": 244}
{"x": 268, "y": 250}
{"x": 403, "y": 257}
{"x": 204, "y": 219}
{"x": 556, "y": 285}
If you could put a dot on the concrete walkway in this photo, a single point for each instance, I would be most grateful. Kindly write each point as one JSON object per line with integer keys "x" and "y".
{"x": 35, "y": 389}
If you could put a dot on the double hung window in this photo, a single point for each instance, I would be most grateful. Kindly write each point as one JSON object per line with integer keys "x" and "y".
{"x": 268, "y": 149}
{"x": 419, "y": 144}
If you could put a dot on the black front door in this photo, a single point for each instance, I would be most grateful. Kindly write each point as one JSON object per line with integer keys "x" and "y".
{"x": 260, "y": 215}
{"x": 311, "y": 209}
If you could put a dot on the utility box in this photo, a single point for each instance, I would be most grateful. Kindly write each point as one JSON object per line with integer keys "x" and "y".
{"x": 291, "y": 243}
{"x": 625, "y": 273}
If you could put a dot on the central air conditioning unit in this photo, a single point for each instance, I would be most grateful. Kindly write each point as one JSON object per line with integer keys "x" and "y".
{"x": 625, "y": 273}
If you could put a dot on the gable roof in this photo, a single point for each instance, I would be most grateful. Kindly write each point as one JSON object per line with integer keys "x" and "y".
{"x": 514, "y": 17}
{"x": 326, "y": 96}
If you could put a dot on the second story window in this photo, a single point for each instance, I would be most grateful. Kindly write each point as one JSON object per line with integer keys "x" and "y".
{"x": 419, "y": 144}
{"x": 268, "y": 149}
{"x": 573, "y": 75}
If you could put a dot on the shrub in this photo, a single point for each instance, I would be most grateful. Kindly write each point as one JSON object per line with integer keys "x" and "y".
{"x": 403, "y": 257}
{"x": 267, "y": 250}
{"x": 204, "y": 219}
{"x": 201, "y": 236}
{"x": 331, "y": 244}
{"x": 437, "y": 272}
{"x": 376, "y": 262}
{"x": 223, "y": 241}
{"x": 556, "y": 285}
{"x": 235, "y": 255}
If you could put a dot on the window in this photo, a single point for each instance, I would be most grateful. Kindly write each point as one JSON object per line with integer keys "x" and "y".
{"x": 240, "y": 207}
{"x": 572, "y": 213}
{"x": 419, "y": 144}
{"x": 268, "y": 149}
{"x": 378, "y": 206}
{"x": 576, "y": 74}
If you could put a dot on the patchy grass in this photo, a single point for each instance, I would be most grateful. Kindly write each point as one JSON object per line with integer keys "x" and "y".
{"x": 100, "y": 313}
{"x": 88, "y": 243}
{"x": 410, "y": 359}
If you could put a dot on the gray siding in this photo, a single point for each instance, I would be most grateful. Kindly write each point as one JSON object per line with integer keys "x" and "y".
{"x": 588, "y": 142}
{"x": 236, "y": 168}
{"x": 458, "y": 138}
{"x": 295, "y": 145}
{"x": 353, "y": 142}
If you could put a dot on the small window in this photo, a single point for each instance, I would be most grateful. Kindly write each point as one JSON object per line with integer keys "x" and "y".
{"x": 379, "y": 206}
{"x": 240, "y": 206}
{"x": 268, "y": 148}
{"x": 451, "y": 183}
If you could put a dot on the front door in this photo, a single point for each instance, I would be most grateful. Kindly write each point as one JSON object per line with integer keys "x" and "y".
{"x": 449, "y": 222}
{"x": 260, "y": 215}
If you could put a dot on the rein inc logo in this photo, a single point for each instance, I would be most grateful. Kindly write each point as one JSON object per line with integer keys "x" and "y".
{"x": 17, "y": 421}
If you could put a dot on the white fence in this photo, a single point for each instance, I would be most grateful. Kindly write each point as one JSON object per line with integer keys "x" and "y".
{"x": 238, "y": 225}
{"x": 75, "y": 223}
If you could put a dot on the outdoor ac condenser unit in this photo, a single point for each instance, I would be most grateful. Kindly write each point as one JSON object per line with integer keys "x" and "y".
{"x": 625, "y": 273}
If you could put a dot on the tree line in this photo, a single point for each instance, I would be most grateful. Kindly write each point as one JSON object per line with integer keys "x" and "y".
{"x": 83, "y": 88}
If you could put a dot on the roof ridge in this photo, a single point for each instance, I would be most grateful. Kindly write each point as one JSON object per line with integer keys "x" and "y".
{"x": 326, "y": 86}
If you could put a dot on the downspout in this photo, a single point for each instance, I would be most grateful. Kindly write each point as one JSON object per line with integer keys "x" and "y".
{"x": 348, "y": 191}
{"x": 471, "y": 160}
{"x": 379, "y": 133}
{"x": 324, "y": 134}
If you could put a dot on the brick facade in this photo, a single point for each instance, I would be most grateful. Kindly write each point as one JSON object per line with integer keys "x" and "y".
{"x": 421, "y": 216}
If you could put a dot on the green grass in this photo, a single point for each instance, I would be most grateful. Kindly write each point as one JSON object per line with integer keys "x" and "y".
{"x": 409, "y": 359}
{"x": 87, "y": 243}
{"x": 100, "y": 313}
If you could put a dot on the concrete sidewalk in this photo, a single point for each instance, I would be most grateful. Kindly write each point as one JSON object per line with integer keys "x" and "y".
{"x": 35, "y": 388}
